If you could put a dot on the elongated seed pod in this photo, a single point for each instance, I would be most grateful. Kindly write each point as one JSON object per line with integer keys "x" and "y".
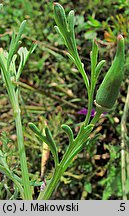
{"x": 109, "y": 88}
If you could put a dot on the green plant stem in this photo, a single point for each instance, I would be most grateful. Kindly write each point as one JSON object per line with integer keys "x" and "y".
{"x": 96, "y": 117}
{"x": 90, "y": 104}
{"x": 90, "y": 91}
{"x": 123, "y": 172}
{"x": 127, "y": 180}
{"x": 51, "y": 186}
{"x": 46, "y": 194}
{"x": 13, "y": 96}
{"x": 23, "y": 161}
{"x": 72, "y": 150}
{"x": 80, "y": 67}
{"x": 124, "y": 151}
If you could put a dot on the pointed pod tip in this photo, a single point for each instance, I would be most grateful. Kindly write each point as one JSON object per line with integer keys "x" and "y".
{"x": 120, "y": 37}
{"x": 56, "y": 4}
{"x": 120, "y": 41}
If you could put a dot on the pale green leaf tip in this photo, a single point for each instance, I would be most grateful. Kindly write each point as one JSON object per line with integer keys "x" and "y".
{"x": 71, "y": 12}
{"x": 24, "y": 21}
{"x": 63, "y": 125}
{"x": 32, "y": 125}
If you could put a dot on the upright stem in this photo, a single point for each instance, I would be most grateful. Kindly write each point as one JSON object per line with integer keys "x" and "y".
{"x": 23, "y": 161}
{"x": 123, "y": 171}
{"x": 51, "y": 186}
{"x": 58, "y": 172}
{"x": 125, "y": 148}
{"x": 82, "y": 71}
{"x": 90, "y": 103}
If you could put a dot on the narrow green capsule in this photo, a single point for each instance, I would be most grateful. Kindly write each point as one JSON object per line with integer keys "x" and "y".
{"x": 110, "y": 87}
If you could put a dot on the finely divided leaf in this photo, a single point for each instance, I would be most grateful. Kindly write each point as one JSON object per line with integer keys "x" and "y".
{"x": 94, "y": 56}
{"x": 47, "y": 139}
{"x": 52, "y": 145}
{"x": 15, "y": 42}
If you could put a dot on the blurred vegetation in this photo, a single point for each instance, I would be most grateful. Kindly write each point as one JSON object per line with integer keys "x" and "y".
{"x": 52, "y": 92}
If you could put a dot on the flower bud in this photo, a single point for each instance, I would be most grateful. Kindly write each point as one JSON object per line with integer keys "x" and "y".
{"x": 109, "y": 88}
